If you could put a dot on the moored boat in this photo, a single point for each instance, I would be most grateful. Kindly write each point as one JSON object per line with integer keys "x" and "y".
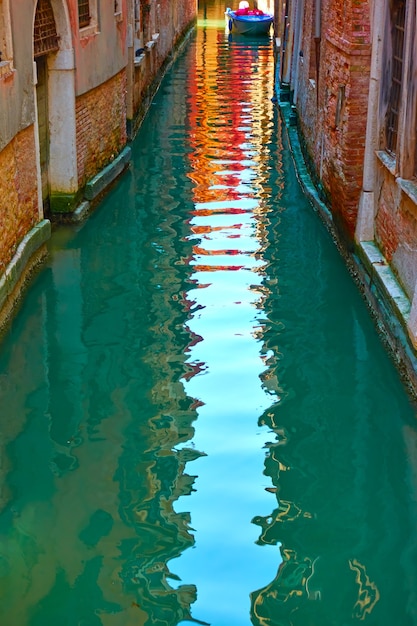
{"x": 246, "y": 21}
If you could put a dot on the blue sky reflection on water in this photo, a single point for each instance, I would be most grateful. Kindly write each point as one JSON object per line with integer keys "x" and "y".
{"x": 287, "y": 420}
{"x": 225, "y": 563}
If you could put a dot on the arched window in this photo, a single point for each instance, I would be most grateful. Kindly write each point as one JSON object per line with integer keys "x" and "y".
{"x": 45, "y": 37}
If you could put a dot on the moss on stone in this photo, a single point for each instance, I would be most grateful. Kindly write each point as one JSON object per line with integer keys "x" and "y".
{"x": 64, "y": 202}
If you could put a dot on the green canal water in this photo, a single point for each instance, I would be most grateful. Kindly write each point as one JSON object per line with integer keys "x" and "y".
{"x": 199, "y": 423}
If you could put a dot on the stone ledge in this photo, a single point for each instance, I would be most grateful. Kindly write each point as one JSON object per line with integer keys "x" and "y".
{"x": 103, "y": 179}
{"x": 29, "y": 245}
{"x": 389, "y": 305}
{"x": 81, "y": 212}
{"x": 383, "y": 276}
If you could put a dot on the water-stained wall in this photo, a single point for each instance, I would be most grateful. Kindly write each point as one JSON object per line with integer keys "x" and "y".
{"x": 330, "y": 77}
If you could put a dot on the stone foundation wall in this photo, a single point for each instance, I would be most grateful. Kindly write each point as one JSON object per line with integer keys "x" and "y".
{"x": 100, "y": 126}
{"x": 18, "y": 193}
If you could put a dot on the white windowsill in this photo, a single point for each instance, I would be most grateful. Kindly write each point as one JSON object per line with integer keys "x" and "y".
{"x": 88, "y": 31}
{"x": 407, "y": 185}
{"x": 139, "y": 59}
{"x": 148, "y": 47}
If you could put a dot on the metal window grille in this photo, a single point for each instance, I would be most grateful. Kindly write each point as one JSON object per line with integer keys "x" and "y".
{"x": 45, "y": 38}
{"x": 398, "y": 24}
{"x": 83, "y": 13}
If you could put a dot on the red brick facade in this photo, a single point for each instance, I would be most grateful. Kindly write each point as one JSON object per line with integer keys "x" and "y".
{"x": 100, "y": 126}
{"x": 334, "y": 121}
{"x": 18, "y": 193}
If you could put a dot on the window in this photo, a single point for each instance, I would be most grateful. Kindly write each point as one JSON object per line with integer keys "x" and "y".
{"x": 84, "y": 16}
{"x": 397, "y": 64}
{"x": 398, "y": 84}
{"x": 118, "y": 10}
{"x": 88, "y": 21}
{"x": 45, "y": 37}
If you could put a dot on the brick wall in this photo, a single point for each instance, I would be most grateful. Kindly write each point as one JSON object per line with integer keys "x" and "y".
{"x": 18, "y": 193}
{"x": 335, "y": 129}
{"x": 100, "y": 126}
{"x": 396, "y": 230}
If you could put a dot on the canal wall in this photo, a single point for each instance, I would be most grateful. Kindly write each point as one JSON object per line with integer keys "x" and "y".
{"x": 388, "y": 303}
{"x": 348, "y": 78}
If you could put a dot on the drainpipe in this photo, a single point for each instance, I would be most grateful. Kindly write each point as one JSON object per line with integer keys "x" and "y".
{"x": 317, "y": 42}
{"x": 298, "y": 54}
{"x": 284, "y": 46}
{"x": 412, "y": 320}
{"x": 366, "y": 211}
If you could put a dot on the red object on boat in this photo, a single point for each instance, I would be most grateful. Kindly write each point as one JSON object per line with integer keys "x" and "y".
{"x": 247, "y": 11}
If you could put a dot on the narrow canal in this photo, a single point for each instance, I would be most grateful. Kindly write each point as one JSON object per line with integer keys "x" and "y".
{"x": 199, "y": 423}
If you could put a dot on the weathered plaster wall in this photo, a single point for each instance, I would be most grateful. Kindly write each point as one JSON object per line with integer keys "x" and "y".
{"x": 307, "y": 104}
{"x": 17, "y": 110}
{"x": 100, "y": 51}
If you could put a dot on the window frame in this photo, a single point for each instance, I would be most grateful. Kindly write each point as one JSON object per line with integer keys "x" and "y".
{"x": 398, "y": 60}
{"x": 92, "y": 26}
{"x": 403, "y": 151}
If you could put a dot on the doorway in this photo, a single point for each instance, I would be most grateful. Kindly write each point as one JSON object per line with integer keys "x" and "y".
{"x": 43, "y": 124}
{"x": 45, "y": 43}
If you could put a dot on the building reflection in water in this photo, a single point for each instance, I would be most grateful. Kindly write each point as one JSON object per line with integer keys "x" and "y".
{"x": 316, "y": 579}
{"x": 342, "y": 482}
{"x": 96, "y": 425}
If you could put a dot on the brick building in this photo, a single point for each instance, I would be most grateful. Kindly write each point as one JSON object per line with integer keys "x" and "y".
{"x": 349, "y": 72}
{"x": 76, "y": 78}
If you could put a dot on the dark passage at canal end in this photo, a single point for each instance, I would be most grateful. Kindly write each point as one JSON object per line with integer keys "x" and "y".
{"x": 199, "y": 423}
